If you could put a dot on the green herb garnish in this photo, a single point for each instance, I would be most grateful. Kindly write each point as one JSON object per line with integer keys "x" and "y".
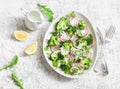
{"x": 11, "y": 64}
{"x": 48, "y": 12}
{"x": 17, "y": 81}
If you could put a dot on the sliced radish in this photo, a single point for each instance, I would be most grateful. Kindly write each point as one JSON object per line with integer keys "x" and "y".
{"x": 64, "y": 36}
{"x": 51, "y": 48}
{"x": 73, "y": 39}
{"x": 86, "y": 31}
{"x": 64, "y": 51}
{"x": 54, "y": 48}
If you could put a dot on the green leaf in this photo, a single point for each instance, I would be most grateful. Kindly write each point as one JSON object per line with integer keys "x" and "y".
{"x": 47, "y": 11}
{"x": 17, "y": 81}
{"x": 11, "y": 64}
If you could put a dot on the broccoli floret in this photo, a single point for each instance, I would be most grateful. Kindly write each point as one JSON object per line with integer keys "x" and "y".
{"x": 55, "y": 63}
{"x": 62, "y": 24}
{"x": 81, "y": 42}
{"x": 65, "y": 66}
{"x": 89, "y": 39}
{"x": 67, "y": 45}
{"x": 71, "y": 31}
{"x": 46, "y": 48}
{"x": 54, "y": 40}
{"x": 75, "y": 71}
{"x": 77, "y": 60}
{"x": 81, "y": 25}
{"x": 54, "y": 56}
{"x": 86, "y": 61}
{"x": 55, "y": 33}
{"x": 79, "y": 33}
{"x": 60, "y": 56}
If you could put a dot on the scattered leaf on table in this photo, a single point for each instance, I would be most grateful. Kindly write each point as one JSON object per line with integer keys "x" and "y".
{"x": 47, "y": 11}
{"x": 12, "y": 63}
{"x": 17, "y": 81}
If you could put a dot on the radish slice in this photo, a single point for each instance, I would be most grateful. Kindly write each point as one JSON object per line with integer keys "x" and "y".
{"x": 74, "y": 21}
{"x": 94, "y": 42}
{"x": 64, "y": 36}
{"x": 54, "y": 48}
{"x": 60, "y": 39}
{"x": 51, "y": 48}
{"x": 73, "y": 39}
{"x": 86, "y": 31}
{"x": 64, "y": 51}
{"x": 71, "y": 57}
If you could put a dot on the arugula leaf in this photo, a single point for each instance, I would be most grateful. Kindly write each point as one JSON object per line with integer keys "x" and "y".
{"x": 17, "y": 81}
{"x": 48, "y": 12}
{"x": 11, "y": 64}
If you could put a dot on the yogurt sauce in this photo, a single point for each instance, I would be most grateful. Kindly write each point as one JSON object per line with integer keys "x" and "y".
{"x": 35, "y": 16}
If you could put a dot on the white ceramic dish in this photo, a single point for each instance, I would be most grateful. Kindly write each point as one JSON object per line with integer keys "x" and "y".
{"x": 48, "y": 35}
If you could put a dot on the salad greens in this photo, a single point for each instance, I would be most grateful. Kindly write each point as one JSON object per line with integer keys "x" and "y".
{"x": 71, "y": 53}
{"x": 12, "y": 63}
{"x": 48, "y": 12}
{"x": 17, "y": 81}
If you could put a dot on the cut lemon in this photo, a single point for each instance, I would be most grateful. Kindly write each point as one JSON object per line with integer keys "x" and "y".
{"x": 20, "y": 35}
{"x": 32, "y": 48}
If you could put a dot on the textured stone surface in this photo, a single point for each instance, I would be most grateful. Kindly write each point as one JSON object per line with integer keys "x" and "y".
{"x": 34, "y": 70}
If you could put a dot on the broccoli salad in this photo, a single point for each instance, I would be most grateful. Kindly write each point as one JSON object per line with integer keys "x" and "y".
{"x": 69, "y": 44}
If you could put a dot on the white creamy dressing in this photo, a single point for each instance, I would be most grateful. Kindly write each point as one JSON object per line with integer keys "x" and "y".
{"x": 35, "y": 16}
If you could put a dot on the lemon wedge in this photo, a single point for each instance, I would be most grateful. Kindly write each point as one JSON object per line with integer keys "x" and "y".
{"x": 20, "y": 35}
{"x": 31, "y": 49}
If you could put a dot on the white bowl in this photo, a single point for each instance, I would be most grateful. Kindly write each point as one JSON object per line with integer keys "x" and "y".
{"x": 48, "y": 35}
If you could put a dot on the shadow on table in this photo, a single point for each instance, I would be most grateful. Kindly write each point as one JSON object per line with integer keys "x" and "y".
{"x": 19, "y": 25}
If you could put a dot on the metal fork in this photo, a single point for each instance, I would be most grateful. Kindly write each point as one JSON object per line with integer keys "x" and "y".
{"x": 109, "y": 35}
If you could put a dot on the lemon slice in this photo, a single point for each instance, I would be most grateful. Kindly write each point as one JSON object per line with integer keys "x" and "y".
{"x": 20, "y": 35}
{"x": 32, "y": 48}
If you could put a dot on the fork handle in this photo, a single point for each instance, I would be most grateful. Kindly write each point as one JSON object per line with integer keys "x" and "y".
{"x": 101, "y": 66}
{"x": 107, "y": 40}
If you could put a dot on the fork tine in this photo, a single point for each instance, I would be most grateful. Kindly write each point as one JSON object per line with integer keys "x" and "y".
{"x": 111, "y": 32}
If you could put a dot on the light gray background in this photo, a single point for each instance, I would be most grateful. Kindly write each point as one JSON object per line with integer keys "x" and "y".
{"x": 34, "y": 70}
